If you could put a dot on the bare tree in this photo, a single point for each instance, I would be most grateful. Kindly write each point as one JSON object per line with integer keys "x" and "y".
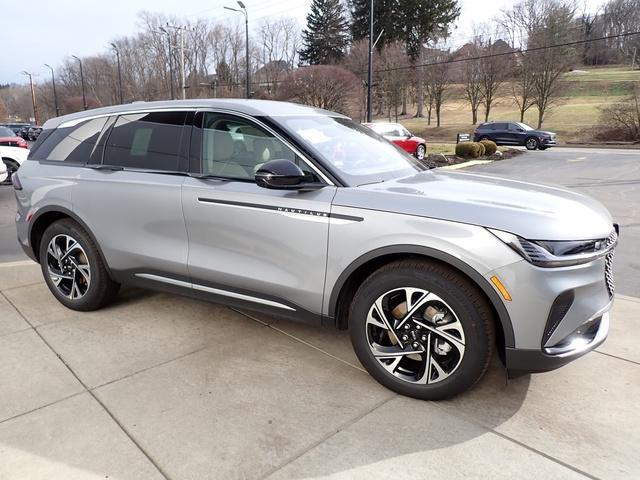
{"x": 472, "y": 79}
{"x": 280, "y": 41}
{"x": 323, "y": 86}
{"x": 522, "y": 85}
{"x": 437, "y": 83}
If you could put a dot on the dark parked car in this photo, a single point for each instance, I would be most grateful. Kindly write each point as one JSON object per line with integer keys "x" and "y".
{"x": 515, "y": 133}
{"x": 20, "y": 129}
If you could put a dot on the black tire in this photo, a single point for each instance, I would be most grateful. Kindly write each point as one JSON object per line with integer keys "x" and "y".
{"x": 421, "y": 151}
{"x": 12, "y": 167}
{"x": 471, "y": 307}
{"x": 532, "y": 143}
{"x": 484, "y": 137}
{"x": 101, "y": 289}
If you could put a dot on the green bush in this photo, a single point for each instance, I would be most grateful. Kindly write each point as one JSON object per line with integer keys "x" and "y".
{"x": 489, "y": 147}
{"x": 468, "y": 149}
{"x": 482, "y": 149}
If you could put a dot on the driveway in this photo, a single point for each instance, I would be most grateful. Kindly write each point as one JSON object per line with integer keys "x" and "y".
{"x": 161, "y": 386}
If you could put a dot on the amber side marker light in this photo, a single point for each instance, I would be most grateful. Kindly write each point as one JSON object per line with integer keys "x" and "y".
{"x": 505, "y": 294}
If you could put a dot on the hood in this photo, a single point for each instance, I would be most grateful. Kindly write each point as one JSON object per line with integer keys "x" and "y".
{"x": 544, "y": 132}
{"x": 533, "y": 211}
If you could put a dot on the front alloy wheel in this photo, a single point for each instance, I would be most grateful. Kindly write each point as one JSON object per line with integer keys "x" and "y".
{"x": 415, "y": 335}
{"x": 531, "y": 143}
{"x": 420, "y": 152}
{"x": 422, "y": 329}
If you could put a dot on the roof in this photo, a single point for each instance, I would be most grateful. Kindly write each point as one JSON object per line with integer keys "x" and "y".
{"x": 256, "y": 108}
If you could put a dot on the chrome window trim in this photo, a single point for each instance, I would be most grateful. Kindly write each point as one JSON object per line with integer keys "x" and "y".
{"x": 76, "y": 121}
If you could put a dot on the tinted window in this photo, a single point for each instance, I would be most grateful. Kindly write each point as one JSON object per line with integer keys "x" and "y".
{"x": 236, "y": 148}
{"x": 6, "y": 132}
{"x": 70, "y": 144}
{"x": 499, "y": 126}
{"x": 146, "y": 140}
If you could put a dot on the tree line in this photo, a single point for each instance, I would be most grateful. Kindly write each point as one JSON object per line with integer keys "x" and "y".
{"x": 522, "y": 53}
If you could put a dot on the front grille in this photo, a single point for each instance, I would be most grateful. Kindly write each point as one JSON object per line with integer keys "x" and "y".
{"x": 608, "y": 264}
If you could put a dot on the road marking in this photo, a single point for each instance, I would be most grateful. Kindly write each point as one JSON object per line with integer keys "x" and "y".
{"x": 579, "y": 159}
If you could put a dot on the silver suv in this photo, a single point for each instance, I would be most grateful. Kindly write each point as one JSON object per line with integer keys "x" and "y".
{"x": 302, "y": 213}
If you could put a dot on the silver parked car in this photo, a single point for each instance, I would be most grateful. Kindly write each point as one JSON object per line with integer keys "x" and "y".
{"x": 302, "y": 213}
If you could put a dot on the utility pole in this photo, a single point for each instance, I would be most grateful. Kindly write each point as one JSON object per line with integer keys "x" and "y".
{"x": 166, "y": 32}
{"x": 183, "y": 84}
{"x": 55, "y": 94}
{"x": 370, "y": 69}
{"x": 115, "y": 48}
{"x": 84, "y": 97}
{"x": 246, "y": 42}
{"x": 33, "y": 97}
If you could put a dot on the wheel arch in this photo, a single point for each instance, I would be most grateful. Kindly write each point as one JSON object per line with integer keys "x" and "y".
{"x": 353, "y": 276}
{"x": 44, "y": 217}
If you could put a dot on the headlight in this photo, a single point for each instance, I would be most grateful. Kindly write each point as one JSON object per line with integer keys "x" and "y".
{"x": 548, "y": 253}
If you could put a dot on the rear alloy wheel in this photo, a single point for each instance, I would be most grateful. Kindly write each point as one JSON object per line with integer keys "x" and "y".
{"x": 73, "y": 269}
{"x": 420, "y": 152}
{"x": 531, "y": 143}
{"x": 421, "y": 329}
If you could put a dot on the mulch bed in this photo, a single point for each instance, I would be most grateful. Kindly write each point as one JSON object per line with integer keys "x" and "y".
{"x": 441, "y": 160}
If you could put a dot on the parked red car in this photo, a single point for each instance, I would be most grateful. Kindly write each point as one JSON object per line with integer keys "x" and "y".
{"x": 402, "y": 137}
{"x": 10, "y": 139}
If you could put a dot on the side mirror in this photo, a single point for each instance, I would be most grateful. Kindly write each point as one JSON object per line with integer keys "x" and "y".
{"x": 282, "y": 174}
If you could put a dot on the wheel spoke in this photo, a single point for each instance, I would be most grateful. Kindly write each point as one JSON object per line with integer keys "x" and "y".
{"x": 424, "y": 378}
{"x": 441, "y": 373}
{"x": 388, "y": 352}
{"x": 383, "y": 317}
{"x": 447, "y": 336}
{"x": 411, "y": 310}
{"x": 84, "y": 271}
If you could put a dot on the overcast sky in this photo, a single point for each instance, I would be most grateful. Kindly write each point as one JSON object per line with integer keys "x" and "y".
{"x": 47, "y": 31}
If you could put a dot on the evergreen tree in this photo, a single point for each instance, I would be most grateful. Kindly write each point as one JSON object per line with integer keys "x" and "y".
{"x": 326, "y": 37}
{"x": 414, "y": 22}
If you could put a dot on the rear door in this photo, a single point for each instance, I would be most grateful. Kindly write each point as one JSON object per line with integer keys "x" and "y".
{"x": 130, "y": 197}
{"x": 251, "y": 245}
{"x": 500, "y": 133}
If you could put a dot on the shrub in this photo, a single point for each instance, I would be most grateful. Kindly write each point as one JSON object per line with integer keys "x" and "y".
{"x": 468, "y": 149}
{"x": 489, "y": 147}
{"x": 482, "y": 149}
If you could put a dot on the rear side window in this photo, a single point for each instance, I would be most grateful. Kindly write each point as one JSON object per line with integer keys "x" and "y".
{"x": 149, "y": 141}
{"x": 70, "y": 144}
{"x": 499, "y": 126}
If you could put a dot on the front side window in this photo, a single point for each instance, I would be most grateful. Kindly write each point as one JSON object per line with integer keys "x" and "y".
{"x": 356, "y": 153}
{"x": 149, "y": 141}
{"x": 234, "y": 147}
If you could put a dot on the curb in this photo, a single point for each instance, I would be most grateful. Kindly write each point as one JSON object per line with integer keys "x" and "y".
{"x": 470, "y": 163}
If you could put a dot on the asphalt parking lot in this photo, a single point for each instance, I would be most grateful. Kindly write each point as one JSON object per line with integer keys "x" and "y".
{"x": 160, "y": 386}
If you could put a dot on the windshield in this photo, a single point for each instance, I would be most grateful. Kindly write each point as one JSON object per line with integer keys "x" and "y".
{"x": 356, "y": 153}
{"x": 6, "y": 132}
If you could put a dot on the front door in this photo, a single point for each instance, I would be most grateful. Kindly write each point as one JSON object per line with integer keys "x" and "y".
{"x": 253, "y": 246}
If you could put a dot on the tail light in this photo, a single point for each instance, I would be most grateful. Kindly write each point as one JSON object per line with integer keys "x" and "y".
{"x": 15, "y": 180}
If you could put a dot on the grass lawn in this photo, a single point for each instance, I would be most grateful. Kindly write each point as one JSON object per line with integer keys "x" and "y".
{"x": 572, "y": 116}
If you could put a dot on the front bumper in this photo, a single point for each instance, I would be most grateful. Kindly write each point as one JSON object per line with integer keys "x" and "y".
{"x": 591, "y": 335}
{"x": 548, "y": 142}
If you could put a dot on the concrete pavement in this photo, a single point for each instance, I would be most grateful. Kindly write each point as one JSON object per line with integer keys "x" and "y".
{"x": 160, "y": 386}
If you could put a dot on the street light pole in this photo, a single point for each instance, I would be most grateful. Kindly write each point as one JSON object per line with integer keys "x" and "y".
{"x": 33, "y": 97}
{"x": 115, "y": 48}
{"x": 55, "y": 94}
{"x": 246, "y": 41}
{"x": 370, "y": 69}
{"x": 84, "y": 97}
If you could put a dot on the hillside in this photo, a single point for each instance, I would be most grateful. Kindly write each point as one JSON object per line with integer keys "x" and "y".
{"x": 572, "y": 117}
